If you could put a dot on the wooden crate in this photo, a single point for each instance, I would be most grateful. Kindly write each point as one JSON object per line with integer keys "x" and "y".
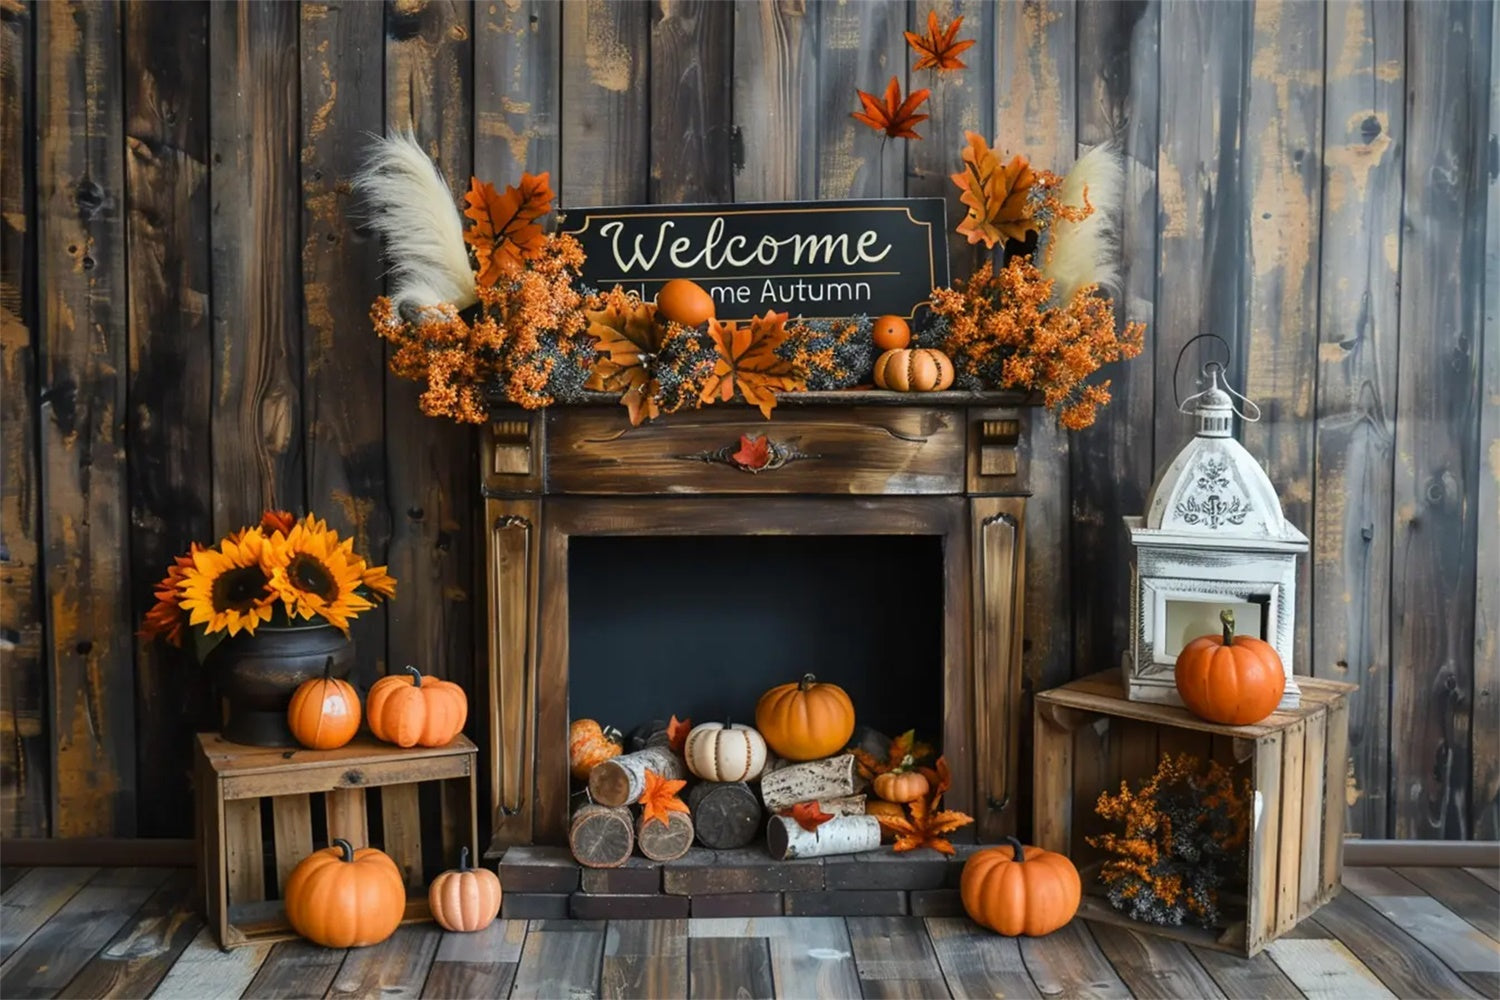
{"x": 262, "y": 810}
{"x": 1089, "y": 738}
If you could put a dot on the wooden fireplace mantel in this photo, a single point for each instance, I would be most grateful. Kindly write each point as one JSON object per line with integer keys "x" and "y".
{"x": 951, "y": 464}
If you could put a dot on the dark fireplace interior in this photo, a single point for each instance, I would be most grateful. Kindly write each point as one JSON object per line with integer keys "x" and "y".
{"x": 701, "y": 626}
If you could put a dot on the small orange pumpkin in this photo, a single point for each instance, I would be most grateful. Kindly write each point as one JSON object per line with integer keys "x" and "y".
{"x": 805, "y": 720}
{"x": 1236, "y": 680}
{"x": 881, "y": 809}
{"x": 890, "y": 332}
{"x": 324, "y": 711}
{"x": 686, "y": 302}
{"x": 342, "y": 898}
{"x": 408, "y": 709}
{"x": 918, "y": 369}
{"x": 1020, "y": 890}
{"x": 901, "y": 786}
{"x": 590, "y": 745}
{"x": 465, "y": 899}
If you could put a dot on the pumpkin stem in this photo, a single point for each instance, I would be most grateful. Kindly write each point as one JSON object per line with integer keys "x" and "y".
{"x": 808, "y": 680}
{"x": 1020, "y": 851}
{"x": 463, "y": 859}
{"x": 1227, "y": 618}
{"x": 416, "y": 675}
{"x": 344, "y": 846}
{"x": 328, "y": 669}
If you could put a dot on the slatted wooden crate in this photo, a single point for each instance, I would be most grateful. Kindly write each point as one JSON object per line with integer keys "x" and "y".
{"x": 262, "y": 810}
{"x": 1088, "y": 738}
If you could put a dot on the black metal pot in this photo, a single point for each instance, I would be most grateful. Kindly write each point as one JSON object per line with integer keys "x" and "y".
{"x": 257, "y": 675}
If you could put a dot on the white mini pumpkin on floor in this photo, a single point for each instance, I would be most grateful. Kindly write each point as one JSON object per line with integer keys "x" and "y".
{"x": 721, "y": 751}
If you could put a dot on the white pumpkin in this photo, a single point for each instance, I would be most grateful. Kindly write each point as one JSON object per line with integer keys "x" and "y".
{"x": 719, "y": 751}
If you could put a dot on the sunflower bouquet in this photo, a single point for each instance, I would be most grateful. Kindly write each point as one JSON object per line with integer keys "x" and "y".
{"x": 278, "y": 572}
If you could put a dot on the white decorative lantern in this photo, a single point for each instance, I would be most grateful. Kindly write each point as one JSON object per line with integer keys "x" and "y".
{"x": 1214, "y": 537}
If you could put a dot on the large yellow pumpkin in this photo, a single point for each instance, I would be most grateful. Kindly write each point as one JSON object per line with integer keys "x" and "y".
{"x": 465, "y": 899}
{"x": 409, "y": 709}
{"x": 1020, "y": 890}
{"x": 324, "y": 712}
{"x": 342, "y": 898}
{"x": 805, "y": 720}
{"x": 1236, "y": 680}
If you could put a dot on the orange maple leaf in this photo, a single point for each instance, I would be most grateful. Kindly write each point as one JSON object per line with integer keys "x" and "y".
{"x": 659, "y": 800}
{"x": 938, "y": 47}
{"x": 998, "y": 195}
{"x": 748, "y": 362}
{"x": 809, "y": 815}
{"x": 278, "y": 520}
{"x": 677, "y": 734}
{"x": 925, "y": 822}
{"x": 627, "y": 337}
{"x": 893, "y": 116}
{"x": 504, "y": 232}
{"x": 905, "y": 753}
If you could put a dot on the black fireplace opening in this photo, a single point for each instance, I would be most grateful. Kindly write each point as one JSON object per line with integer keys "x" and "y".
{"x": 700, "y": 626}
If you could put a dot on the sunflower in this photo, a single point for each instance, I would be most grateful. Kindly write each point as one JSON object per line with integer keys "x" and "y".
{"x": 167, "y": 619}
{"x": 313, "y": 573}
{"x": 226, "y": 587}
{"x": 379, "y": 582}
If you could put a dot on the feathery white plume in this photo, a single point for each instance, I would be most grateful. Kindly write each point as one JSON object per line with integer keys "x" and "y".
{"x": 409, "y": 204}
{"x": 1083, "y": 253}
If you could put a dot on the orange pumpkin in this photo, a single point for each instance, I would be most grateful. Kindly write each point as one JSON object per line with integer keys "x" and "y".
{"x": 901, "y": 786}
{"x": 408, "y": 709}
{"x": 465, "y": 899}
{"x": 686, "y": 302}
{"x": 1236, "y": 680}
{"x": 1020, "y": 890}
{"x": 324, "y": 711}
{"x": 881, "y": 809}
{"x": 918, "y": 369}
{"x": 342, "y": 898}
{"x": 890, "y": 332}
{"x": 805, "y": 720}
{"x": 589, "y": 745}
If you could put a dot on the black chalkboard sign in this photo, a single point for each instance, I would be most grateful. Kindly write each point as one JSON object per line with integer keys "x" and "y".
{"x": 815, "y": 259}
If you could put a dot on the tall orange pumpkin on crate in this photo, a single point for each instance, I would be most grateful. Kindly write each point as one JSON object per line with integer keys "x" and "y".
{"x": 1234, "y": 680}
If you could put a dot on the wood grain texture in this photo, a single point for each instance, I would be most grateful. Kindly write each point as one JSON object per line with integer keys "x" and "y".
{"x": 894, "y": 958}
{"x": 1200, "y": 194}
{"x": 25, "y": 752}
{"x": 204, "y": 972}
{"x": 645, "y": 958}
{"x": 560, "y": 958}
{"x": 517, "y": 90}
{"x": 139, "y": 956}
{"x": 171, "y": 368}
{"x": 1068, "y": 962}
{"x": 860, "y": 47}
{"x": 396, "y": 967}
{"x": 1462, "y": 947}
{"x": 814, "y": 955}
{"x": 1326, "y": 969}
{"x": 33, "y": 900}
{"x": 83, "y": 337}
{"x": 1460, "y": 892}
{"x": 343, "y": 399}
{"x": 1437, "y": 416}
{"x": 729, "y": 966}
{"x": 1111, "y": 464}
{"x": 479, "y": 964}
{"x": 258, "y": 361}
{"x": 430, "y": 475}
{"x": 1259, "y": 977}
{"x": 977, "y": 963}
{"x": 1154, "y": 966}
{"x": 775, "y": 99}
{"x": 606, "y": 126}
{"x": 1403, "y": 964}
{"x": 296, "y": 969}
{"x": 691, "y": 89}
{"x": 1358, "y": 316}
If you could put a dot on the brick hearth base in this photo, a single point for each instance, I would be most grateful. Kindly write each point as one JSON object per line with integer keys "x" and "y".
{"x": 546, "y": 883}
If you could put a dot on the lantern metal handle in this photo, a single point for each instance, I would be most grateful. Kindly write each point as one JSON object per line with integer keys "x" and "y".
{"x": 1214, "y": 371}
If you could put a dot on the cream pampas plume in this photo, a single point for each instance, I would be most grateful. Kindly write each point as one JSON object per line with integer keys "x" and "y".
{"x": 410, "y": 206}
{"x": 1086, "y": 252}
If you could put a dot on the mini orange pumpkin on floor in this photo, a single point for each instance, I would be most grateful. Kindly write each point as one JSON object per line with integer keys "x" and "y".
{"x": 324, "y": 711}
{"x": 465, "y": 899}
{"x": 589, "y": 745}
{"x": 805, "y": 720}
{"x": 408, "y": 709}
{"x": 1020, "y": 890}
{"x": 1236, "y": 680}
{"x": 342, "y": 898}
{"x": 917, "y": 369}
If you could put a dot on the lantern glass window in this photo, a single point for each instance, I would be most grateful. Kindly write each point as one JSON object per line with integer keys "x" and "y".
{"x": 1188, "y": 619}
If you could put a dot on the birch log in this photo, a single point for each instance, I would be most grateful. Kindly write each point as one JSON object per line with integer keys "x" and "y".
{"x": 664, "y": 841}
{"x": 601, "y": 836}
{"x": 620, "y": 781}
{"x": 844, "y": 805}
{"x": 787, "y": 841}
{"x": 726, "y": 814}
{"x": 831, "y": 778}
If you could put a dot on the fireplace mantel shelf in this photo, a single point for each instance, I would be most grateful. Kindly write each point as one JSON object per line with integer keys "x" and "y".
{"x": 841, "y": 397}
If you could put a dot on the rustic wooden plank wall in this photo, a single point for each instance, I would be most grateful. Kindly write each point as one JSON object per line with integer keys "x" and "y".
{"x": 185, "y": 335}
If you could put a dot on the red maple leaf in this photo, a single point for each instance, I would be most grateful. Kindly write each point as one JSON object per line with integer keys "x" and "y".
{"x": 894, "y": 116}
{"x": 939, "y": 47}
{"x": 754, "y": 452}
{"x": 809, "y": 815}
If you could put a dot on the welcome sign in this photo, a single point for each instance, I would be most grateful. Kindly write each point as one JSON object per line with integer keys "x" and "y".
{"x": 817, "y": 259}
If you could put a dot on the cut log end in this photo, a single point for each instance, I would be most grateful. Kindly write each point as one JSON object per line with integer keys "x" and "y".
{"x": 664, "y": 841}
{"x": 601, "y": 836}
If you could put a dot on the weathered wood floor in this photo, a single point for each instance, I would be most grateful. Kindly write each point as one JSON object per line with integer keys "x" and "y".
{"x": 85, "y": 932}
